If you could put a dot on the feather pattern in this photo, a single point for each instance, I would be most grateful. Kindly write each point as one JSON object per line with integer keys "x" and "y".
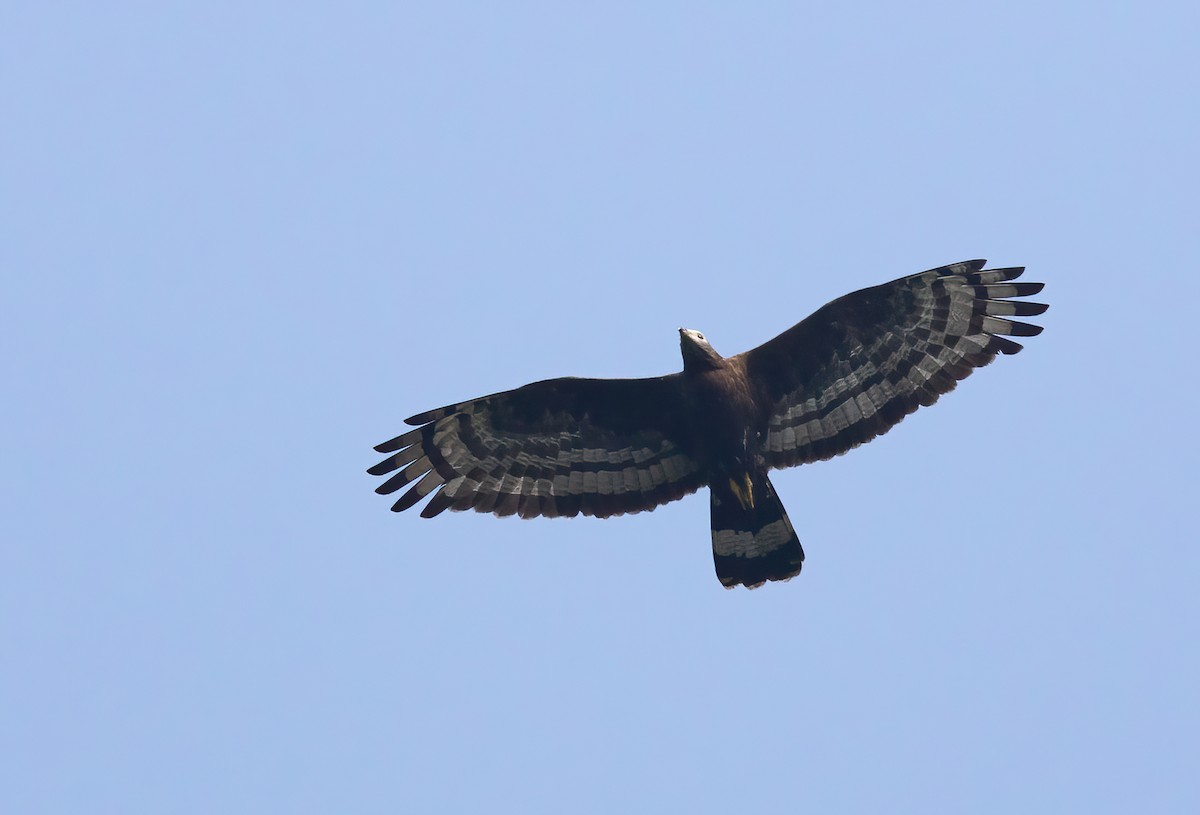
{"x": 561, "y": 447}
{"x": 860, "y": 364}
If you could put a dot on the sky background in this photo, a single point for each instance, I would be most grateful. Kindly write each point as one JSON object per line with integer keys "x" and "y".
{"x": 241, "y": 242}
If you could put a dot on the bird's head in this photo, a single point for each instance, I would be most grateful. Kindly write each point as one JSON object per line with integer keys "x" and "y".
{"x": 696, "y": 349}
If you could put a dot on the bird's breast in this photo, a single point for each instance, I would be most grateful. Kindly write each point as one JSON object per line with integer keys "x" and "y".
{"x": 725, "y": 418}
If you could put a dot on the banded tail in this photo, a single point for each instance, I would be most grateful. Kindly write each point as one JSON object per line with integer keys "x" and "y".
{"x": 753, "y": 540}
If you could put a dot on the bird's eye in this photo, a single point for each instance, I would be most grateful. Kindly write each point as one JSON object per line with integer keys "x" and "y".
{"x": 699, "y": 336}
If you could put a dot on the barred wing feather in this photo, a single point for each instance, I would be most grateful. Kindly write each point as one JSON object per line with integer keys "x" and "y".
{"x": 561, "y": 447}
{"x": 860, "y": 364}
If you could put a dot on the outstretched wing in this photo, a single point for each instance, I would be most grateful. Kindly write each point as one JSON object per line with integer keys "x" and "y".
{"x": 862, "y": 363}
{"x": 555, "y": 448}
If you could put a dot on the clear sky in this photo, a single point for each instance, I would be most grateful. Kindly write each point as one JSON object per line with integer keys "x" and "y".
{"x": 240, "y": 242}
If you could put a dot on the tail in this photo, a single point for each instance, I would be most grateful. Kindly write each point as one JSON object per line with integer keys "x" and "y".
{"x": 753, "y": 540}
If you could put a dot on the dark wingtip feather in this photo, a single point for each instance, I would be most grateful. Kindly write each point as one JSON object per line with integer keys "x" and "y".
{"x": 391, "y": 485}
{"x": 1010, "y": 272}
{"x": 437, "y": 505}
{"x": 415, "y": 494}
{"x": 403, "y": 440}
{"x": 1006, "y": 346}
{"x": 1024, "y": 329}
{"x": 408, "y": 475}
{"x": 431, "y": 415}
{"x": 422, "y": 418}
{"x": 1021, "y": 308}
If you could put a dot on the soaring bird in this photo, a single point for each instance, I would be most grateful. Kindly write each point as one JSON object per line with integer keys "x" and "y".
{"x": 846, "y": 374}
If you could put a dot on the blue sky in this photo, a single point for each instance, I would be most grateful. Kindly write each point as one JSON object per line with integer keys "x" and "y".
{"x": 242, "y": 242}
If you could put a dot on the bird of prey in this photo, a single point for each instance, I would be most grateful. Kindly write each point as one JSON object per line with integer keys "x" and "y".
{"x": 602, "y": 447}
